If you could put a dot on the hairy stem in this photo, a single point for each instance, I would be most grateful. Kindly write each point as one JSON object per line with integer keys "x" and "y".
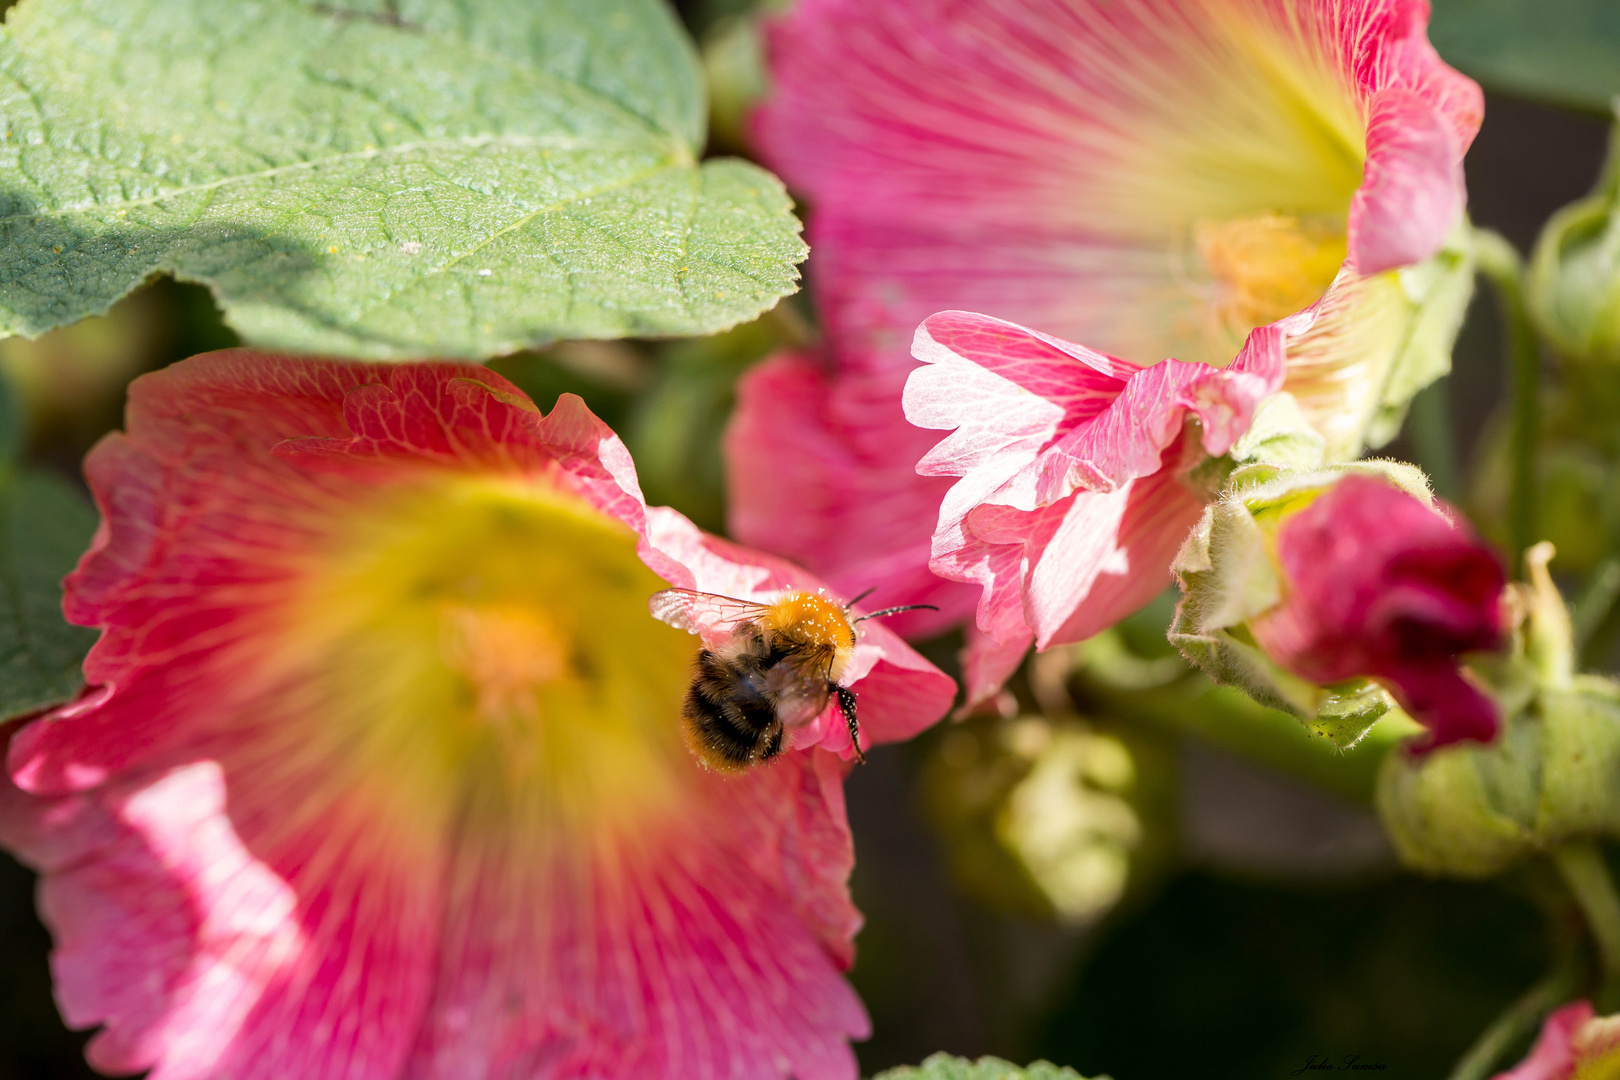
{"x": 1501, "y": 265}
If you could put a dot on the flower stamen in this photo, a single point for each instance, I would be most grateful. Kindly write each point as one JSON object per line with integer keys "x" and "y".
{"x": 1265, "y": 267}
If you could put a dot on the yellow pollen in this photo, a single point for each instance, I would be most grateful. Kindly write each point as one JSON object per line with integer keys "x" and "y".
{"x": 1265, "y": 267}
{"x": 506, "y": 653}
{"x": 493, "y": 633}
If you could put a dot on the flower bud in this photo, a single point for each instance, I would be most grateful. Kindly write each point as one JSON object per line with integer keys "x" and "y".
{"x": 1333, "y": 594}
{"x": 1553, "y": 776}
{"x": 1049, "y": 818}
{"x": 1573, "y": 289}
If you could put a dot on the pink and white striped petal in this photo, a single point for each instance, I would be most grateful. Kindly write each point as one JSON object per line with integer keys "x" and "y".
{"x": 1158, "y": 178}
{"x": 1071, "y": 500}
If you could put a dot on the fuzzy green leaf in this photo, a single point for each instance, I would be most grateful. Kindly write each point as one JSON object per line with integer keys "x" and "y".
{"x": 946, "y": 1067}
{"x": 44, "y": 526}
{"x": 1564, "y": 51}
{"x": 379, "y": 178}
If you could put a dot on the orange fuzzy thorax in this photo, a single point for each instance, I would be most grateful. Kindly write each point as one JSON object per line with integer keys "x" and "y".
{"x": 814, "y": 619}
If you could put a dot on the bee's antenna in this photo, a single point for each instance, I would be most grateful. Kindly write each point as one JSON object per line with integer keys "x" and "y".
{"x": 895, "y": 610}
{"x": 861, "y": 597}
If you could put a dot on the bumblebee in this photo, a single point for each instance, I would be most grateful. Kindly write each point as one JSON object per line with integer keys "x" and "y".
{"x": 766, "y": 669}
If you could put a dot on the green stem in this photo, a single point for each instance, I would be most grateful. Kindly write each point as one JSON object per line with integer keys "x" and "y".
{"x": 1596, "y": 601}
{"x": 1429, "y": 427}
{"x": 1517, "y": 1020}
{"x": 1501, "y": 265}
{"x": 1228, "y": 717}
{"x": 1581, "y": 865}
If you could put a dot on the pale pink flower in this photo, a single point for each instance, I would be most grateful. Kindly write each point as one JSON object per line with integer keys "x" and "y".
{"x": 1154, "y": 178}
{"x": 379, "y": 773}
{"x": 1076, "y": 468}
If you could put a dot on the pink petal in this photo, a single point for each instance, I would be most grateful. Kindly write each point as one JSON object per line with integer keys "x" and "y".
{"x": 825, "y": 475}
{"x": 1008, "y": 392}
{"x": 1127, "y": 439}
{"x": 1070, "y": 507}
{"x": 703, "y": 948}
{"x": 1159, "y": 512}
{"x": 1032, "y": 159}
{"x": 1553, "y": 1057}
{"x": 246, "y": 866}
{"x": 1412, "y": 194}
{"x": 1450, "y": 706}
{"x": 1047, "y": 162}
{"x": 285, "y": 935}
{"x": 988, "y": 662}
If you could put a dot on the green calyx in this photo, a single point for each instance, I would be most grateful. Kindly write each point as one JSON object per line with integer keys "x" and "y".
{"x": 1436, "y": 292}
{"x": 1229, "y": 576}
{"x": 1552, "y": 776}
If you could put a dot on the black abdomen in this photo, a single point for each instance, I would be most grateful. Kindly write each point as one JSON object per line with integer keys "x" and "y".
{"x": 730, "y": 714}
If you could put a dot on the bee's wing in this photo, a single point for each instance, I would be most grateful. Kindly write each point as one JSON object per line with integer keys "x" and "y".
{"x": 801, "y": 686}
{"x": 700, "y": 612}
{"x": 802, "y": 703}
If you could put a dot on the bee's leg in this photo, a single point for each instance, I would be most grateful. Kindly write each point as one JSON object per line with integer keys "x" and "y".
{"x": 846, "y": 705}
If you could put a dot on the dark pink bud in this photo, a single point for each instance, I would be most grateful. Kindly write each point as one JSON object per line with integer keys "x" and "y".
{"x": 1379, "y": 584}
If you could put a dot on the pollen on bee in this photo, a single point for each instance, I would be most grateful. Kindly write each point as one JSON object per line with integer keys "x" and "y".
{"x": 813, "y": 618}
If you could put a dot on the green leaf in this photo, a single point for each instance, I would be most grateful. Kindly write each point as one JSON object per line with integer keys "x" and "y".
{"x": 946, "y": 1067}
{"x": 380, "y": 178}
{"x": 45, "y": 525}
{"x": 1563, "y": 51}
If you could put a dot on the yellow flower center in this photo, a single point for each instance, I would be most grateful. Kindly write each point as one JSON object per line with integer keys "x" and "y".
{"x": 1227, "y": 176}
{"x": 476, "y": 631}
{"x": 1265, "y": 267}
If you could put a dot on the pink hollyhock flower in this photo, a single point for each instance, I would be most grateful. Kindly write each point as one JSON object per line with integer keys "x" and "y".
{"x": 379, "y": 769}
{"x": 1378, "y": 583}
{"x": 1155, "y": 178}
{"x": 1573, "y": 1043}
{"x": 1075, "y": 489}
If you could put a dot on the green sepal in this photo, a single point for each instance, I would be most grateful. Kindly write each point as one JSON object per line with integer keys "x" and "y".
{"x": 1280, "y": 436}
{"x": 1229, "y": 577}
{"x": 1437, "y": 291}
{"x": 1552, "y": 775}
